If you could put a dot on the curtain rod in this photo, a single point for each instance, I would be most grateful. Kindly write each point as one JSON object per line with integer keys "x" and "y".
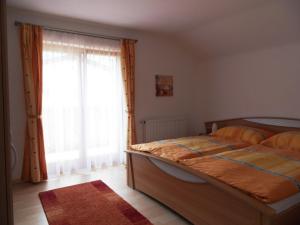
{"x": 18, "y": 23}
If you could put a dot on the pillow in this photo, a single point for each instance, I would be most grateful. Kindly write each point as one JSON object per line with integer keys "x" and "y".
{"x": 286, "y": 140}
{"x": 249, "y": 135}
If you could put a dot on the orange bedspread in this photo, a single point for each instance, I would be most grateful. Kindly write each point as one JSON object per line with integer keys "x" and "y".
{"x": 188, "y": 147}
{"x": 265, "y": 173}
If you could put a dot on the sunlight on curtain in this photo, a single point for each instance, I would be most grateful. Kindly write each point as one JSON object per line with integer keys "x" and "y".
{"x": 83, "y": 107}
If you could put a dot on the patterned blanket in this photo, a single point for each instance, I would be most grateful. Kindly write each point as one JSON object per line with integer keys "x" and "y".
{"x": 265, "y": 173}
{"x": 188, "y": 147}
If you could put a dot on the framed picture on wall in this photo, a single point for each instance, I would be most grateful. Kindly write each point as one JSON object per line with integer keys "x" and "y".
{"x": 164, "y": 85}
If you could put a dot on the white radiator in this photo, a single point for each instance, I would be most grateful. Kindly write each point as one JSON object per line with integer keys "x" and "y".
{"x": 159, "y": 129}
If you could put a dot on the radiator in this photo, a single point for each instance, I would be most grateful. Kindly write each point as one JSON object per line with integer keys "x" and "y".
{"x": 159, "y": 129}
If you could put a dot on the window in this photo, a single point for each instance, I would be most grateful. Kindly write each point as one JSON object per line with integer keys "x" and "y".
{"x": 83, "y": 102}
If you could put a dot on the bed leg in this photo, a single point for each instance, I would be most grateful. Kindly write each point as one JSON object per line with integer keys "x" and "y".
{"x": 130, "y": 174}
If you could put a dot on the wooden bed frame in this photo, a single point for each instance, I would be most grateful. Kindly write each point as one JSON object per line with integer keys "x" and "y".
{"x": 212, "y": 202}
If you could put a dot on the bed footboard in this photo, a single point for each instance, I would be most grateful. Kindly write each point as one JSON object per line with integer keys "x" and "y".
{"x": 199, "y": 202}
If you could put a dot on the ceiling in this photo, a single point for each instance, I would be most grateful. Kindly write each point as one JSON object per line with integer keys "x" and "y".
{"x": 274, "y": 24}
{"x": 155, "y": 15}
{"x": 211, "y": 27}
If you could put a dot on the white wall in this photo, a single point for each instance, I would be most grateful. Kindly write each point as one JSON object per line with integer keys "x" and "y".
{"x": 260, "y": 83}
{"x": 154, "y": 55}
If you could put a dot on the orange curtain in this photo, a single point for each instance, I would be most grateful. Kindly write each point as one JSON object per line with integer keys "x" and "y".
{"x": 34, "y": 163}
{"x": 128, "y": 70}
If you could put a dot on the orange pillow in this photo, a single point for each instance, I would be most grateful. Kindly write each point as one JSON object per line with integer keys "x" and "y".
{"x": 286, "y": 140}
{"x": 249, "y": 135}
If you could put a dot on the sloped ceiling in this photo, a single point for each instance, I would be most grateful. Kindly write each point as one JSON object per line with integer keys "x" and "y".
{"x": 209, "y": 27}
{"x": 273, "y": 24}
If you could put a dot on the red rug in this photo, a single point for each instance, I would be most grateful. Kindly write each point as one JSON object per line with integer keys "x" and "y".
{"x": 92, "y": 203}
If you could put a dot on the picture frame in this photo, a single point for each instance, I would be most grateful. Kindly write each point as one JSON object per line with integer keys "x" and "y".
{"x": 164, "y": 85}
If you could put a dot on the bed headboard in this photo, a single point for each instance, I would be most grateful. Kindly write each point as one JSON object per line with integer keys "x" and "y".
{"x": 275, "y": 124}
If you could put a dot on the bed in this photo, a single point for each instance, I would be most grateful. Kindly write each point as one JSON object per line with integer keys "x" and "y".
{"x": 202, "y": 199}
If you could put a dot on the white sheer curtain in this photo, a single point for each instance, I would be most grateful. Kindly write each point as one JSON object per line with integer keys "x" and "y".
{"x": 83, "y": 103}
